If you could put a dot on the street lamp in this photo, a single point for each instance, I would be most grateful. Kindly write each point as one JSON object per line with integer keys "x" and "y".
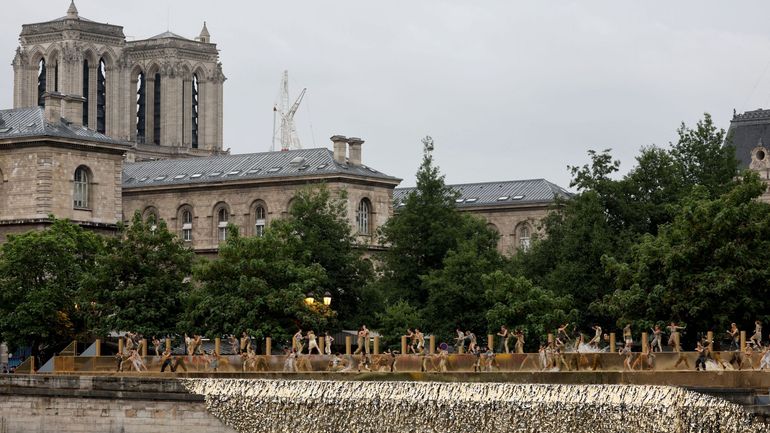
{"x": 327, "y": 299}
{"x": 309, "y": 298}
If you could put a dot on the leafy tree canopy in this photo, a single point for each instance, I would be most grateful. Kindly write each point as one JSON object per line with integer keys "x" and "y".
{"x": 40, "y": 274}
{"x": 138, "y": 280}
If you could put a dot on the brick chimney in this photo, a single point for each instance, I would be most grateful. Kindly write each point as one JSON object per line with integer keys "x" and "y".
{"x": 340, "y": 148}
{"x": 355, "y": 150}
{"x": 68, "y": 107}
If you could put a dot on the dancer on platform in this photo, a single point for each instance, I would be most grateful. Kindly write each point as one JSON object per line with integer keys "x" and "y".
{"x": 232, "y": 340}
{"x": 628, "y": 356}
{"x": 519, "y": 341}
{"x": 627, "y": 336}
{"x": 312, "y": 343}
{"x": 504, "y": 337}
{"x": 165, "y": 361}
{"x": 756, "y": 338}
{"x": 366, "y": 338}
{"x": 735, "y": 337}
{"x": 657, "y": 338}
{"x": 156, "y": 345}
{"x": 459, "y": 341}
{"x": 702, "y": 356}
{"x": 472, "y": 346}
{"x": 298, "y": 338}
{"x": 561, "y": 333}
{"x": 328, "y": 340}
{"x": 597, "y": 336}
{"x": 361, "y": 340}
{"x": 410, "y": 338}
{"x": 673, "y": 336}
{"x": 245, "y": 342}
{"x": 420, "y": 339}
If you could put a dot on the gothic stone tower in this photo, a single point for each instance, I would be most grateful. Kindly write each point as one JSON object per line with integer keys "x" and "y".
{"x": 163, "y": 94}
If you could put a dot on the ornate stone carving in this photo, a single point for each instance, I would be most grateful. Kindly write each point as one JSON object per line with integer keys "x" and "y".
{"x": 72, "y": 53}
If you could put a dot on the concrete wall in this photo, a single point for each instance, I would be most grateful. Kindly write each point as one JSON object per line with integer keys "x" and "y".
{"x": 43, "y": 404}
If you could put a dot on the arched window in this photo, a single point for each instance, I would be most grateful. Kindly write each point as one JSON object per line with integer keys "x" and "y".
{"x": 80, "y": 192}
{"x": 101, "y": 97}
{"x": 187, "y": 225}
{"x": 363, "y": 217}
{"x": 195, "y": 111}
{"x": 156, "y": 111}
{"x": 85, "y": 92}
{"x": 259, "y": 217}
{"x": 141, "y": 109}
{"x": 222, "y": 217}
{"x": 524, "y": 237}
{"x": 41, "y": 77}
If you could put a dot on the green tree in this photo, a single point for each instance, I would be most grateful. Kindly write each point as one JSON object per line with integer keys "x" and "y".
{"x": 707, "y": 268}
{"x": 139, "y": 279}
{"x": 40, "y": 274}
{"x": 704, "y": 158}
{"x": 395, "y": 320}
{"x": 519, "y": 304}
{"x": 455, "y": 293}
{"x": 317, "y": 231}
{"x": 608, "y": 215}
{"x": 256, "y": 284}
{"x": 420, "y": 234}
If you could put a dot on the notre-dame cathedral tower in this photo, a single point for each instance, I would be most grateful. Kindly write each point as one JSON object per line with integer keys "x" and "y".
{"x": 163, "y": 94}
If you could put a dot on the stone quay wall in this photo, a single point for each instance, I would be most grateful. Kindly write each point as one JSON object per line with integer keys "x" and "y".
{"x": 85, "y": 404}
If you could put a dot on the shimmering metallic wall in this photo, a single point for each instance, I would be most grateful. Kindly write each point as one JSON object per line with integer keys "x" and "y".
{"x": 347, "y": 406}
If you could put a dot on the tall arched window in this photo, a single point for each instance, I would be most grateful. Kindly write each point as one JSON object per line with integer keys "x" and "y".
{"x": 141, "y": 109}
{"x": 101, "y": 97}
{"x": 194, "y": 111}
{"x": 187, "y": 225}
{"x": 524, "y": 237}
{"x": 81, "y": 187}
{"x": 222, "y": 217}
{"x": 85, "y": 92}
{"x": 363, "y": 217}
{"x": 41, "y": 77}
{"x": 156, "y": 111}
{"x": 259, "y": 217}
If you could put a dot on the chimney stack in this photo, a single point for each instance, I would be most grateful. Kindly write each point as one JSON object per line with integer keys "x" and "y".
{"x": 340, "y": 148}
{"x": 355, "y": 150}
{"x": 67, "y": 107}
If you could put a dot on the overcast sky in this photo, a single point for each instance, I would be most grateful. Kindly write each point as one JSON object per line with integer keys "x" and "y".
{"x": 508, "y": 89}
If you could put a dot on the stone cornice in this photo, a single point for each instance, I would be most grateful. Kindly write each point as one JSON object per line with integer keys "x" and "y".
{"x": 60, "y": 142}
{"x": 129, "y": 190}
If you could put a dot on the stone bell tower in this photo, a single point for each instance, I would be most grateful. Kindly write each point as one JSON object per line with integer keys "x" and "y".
{"x": 164, "y": 94}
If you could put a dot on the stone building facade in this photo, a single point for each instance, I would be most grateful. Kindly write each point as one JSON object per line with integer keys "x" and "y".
{"x": 199, "y": 197}
{"x": 164, "y": 94}
{"x": 51, "y": 167}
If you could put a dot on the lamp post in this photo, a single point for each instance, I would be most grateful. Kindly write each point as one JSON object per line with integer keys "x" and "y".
{"x": 327, "y": 299}
{"x": 309, "y": 298}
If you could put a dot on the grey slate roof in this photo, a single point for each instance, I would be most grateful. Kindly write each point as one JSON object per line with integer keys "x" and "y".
{"x": 223, "y": 168}
{"x": 30, "y": 122}
{"x": 498, "y": 193}
{"x": 747, "y": 131}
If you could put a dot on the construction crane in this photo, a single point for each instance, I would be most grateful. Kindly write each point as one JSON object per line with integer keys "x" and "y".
{"x": 286, "y": 133}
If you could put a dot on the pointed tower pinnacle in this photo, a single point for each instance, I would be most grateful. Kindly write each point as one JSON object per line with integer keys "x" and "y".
{"x": 204, "y": 36}
{"x": 72, "y": 11}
